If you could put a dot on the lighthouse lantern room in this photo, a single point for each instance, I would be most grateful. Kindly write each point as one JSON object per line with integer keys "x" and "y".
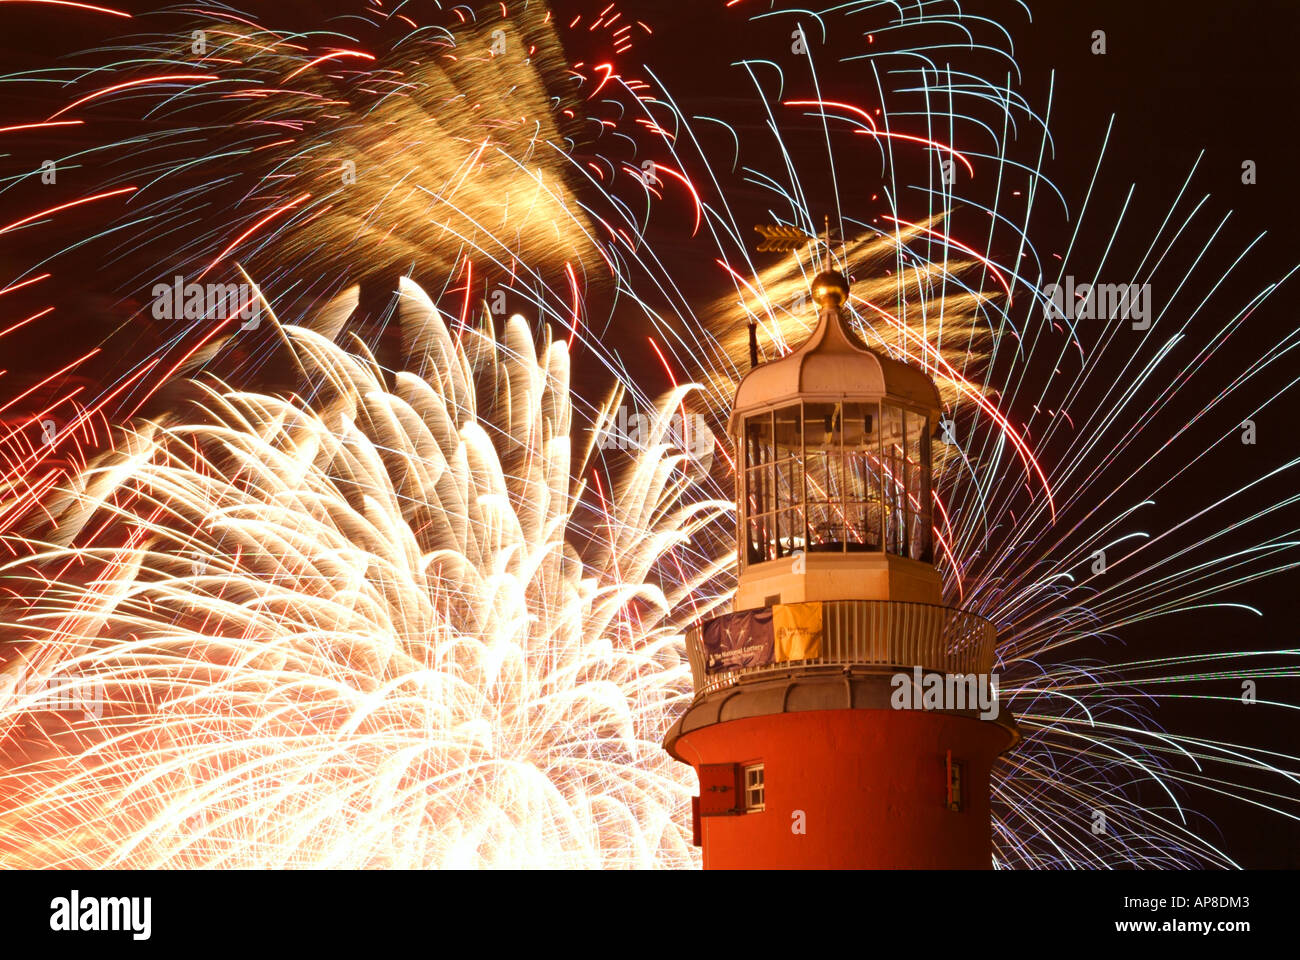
{"x": 835, "y": 446}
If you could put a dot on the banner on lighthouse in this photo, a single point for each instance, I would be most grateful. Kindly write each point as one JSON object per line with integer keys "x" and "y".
{"x": 753, "y": 638}
{"x": 738, "y": 640}
{"x": 796, "y": 631}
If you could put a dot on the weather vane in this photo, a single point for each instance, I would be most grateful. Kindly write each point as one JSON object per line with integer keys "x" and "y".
{"x": 782, "y": 238}
{"x": 779, "y": 238}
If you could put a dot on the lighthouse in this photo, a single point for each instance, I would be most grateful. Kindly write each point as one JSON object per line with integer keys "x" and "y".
{"x": 843, "y": 716}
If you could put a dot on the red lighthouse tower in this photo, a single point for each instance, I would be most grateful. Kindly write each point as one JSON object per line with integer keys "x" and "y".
{"x": 843, "y": 716}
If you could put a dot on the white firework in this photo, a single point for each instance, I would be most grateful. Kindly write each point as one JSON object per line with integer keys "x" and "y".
{"x": 362, "y": 630}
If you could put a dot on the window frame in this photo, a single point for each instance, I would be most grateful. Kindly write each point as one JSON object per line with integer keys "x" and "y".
{"x": 749, "y": 788}
{"x": 955, "y": 800}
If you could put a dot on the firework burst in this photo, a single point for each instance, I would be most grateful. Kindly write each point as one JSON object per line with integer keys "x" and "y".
{"x": 359, "y": 634}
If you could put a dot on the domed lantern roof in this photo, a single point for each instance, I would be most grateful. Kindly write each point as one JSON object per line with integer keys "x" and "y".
{"x": 833, "y": 363}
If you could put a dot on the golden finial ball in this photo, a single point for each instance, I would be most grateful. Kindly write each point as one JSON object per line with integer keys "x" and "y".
{"x": 830, "y": 288}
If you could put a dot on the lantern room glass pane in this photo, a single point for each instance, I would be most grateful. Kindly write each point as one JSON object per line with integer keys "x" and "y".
{"x": 862, "y": 485}
{"x": 760, "y": 540}
{"x": 789, "y": 506}
{"x": 825, "y": 476}
{"x": 918, "y": 487}
{"x": 788, "y": 432}
{"x": 758, "y": 439}
{"x": 893, "y": 479}
{"x": 773, "y": 486}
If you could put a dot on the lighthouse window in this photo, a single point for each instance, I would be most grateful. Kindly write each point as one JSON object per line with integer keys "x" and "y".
{"x": 836, "y": 477}
{"x": 773, "y": 502}
{"x": 827, "y": 520}
{"x": 918, "y": 487}
{"x": 755, "y": 794}
{"x": 861, "y": 477}
{"x": 955, "y": 771}
{"x": 789, "y": 481}
{"x": 758, "y": 482}
{"x": 894, "y": 476}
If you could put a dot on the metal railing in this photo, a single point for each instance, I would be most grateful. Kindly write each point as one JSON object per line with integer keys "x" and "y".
{"x": 873, "y": 632}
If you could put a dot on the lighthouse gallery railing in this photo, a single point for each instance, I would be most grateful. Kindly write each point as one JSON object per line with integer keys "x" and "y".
{"x": 872, "y": 633}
